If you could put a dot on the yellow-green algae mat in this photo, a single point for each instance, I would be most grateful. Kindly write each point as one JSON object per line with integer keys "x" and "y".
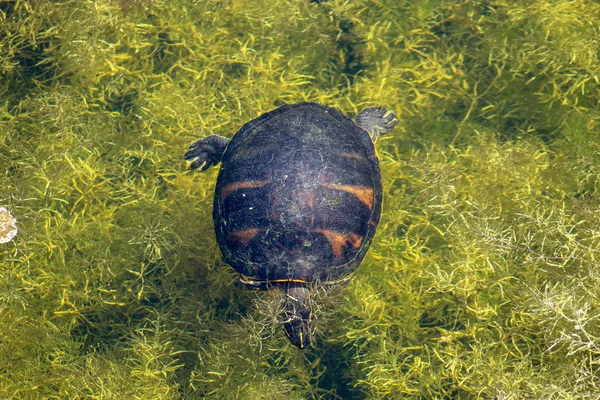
{"x": 482, "y": 282}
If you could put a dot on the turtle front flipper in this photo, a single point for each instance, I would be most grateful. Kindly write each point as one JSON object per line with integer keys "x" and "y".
{"x": 205, "y": 153}
{"x": 298, "y": 316}
{"x": 375, "y": 121}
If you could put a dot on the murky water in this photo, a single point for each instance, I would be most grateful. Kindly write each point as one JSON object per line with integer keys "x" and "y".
{"x": 482, "y": 279}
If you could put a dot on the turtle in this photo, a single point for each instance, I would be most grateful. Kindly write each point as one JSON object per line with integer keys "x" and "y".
{"x": 297, "y": 200}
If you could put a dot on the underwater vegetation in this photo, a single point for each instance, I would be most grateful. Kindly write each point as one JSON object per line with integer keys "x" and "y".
{"x": 483, "y": 280}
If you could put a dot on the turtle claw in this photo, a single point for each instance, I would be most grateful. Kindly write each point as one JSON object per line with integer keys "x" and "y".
{"x": 375, "y": 121}
{"x": 205, "y": 153}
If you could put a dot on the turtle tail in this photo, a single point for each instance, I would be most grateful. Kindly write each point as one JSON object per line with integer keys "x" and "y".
{"x": 298, "y": 314}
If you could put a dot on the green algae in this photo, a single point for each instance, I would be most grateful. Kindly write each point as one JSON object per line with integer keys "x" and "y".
{"x": 481, "y": 282}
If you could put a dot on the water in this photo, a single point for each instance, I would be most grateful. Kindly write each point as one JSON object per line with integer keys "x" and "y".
{"x": 482, "y": 281}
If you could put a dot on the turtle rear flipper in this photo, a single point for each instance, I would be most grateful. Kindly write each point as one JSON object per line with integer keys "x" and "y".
{"x": 205, "y": 153}
{"x": 375, "y": 121}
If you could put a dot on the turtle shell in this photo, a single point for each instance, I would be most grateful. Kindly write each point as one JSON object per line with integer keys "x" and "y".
{"x": 298, "y": 196}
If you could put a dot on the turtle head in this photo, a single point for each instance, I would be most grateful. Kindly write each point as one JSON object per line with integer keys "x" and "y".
{"x": 298, "y": 315}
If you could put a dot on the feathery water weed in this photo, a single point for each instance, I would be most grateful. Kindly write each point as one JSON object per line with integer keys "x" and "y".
{"x": 481, "y": 282}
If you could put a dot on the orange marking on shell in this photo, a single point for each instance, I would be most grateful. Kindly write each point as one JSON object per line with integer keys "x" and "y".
{"x": 310, "y": 200}
{"x": 338, "y": 240}
{"x": 353, "y": 155}
{"x": 245, "y": 236}
{"x": 363, "y": 193}
{"x": 232, "y": 187}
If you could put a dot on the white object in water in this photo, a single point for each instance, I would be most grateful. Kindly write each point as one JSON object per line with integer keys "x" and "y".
{"x": 8, "y": 226}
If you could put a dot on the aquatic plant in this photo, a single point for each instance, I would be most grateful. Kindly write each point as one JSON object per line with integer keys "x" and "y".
{"x": 481, "y": 282}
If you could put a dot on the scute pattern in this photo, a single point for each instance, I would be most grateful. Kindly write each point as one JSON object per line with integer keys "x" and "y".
{"x": 298, "y": 195}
